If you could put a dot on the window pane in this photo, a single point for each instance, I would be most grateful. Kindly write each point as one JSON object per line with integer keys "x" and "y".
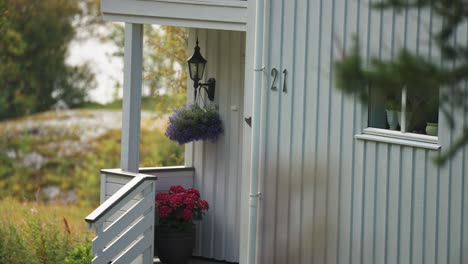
{"x": 422, "y": 111}
{"x": 377, "y": 113}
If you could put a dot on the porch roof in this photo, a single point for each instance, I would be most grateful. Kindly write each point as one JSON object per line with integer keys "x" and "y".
{"x": 212, "y": 14}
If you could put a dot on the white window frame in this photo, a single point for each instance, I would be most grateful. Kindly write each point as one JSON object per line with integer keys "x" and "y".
{"x": 400, "y": 137}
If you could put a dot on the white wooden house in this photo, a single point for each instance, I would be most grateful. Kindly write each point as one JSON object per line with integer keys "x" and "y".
{"x": 317, "y": 178}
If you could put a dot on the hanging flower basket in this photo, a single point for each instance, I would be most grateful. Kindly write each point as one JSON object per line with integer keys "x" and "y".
{"x": 192, "y": 123}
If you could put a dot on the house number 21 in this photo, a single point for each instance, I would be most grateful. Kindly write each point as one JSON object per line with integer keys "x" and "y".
{"x": 274, "y": 73}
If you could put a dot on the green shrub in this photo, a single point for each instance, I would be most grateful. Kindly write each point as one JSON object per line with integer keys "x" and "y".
{"x": 81, "y": 254}
{"x": 38, "y": 238}
{"x": 12, "y": 245}
{"x": 47, "y": 243}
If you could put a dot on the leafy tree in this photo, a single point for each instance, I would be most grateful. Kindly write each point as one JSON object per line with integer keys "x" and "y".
{"x": 166, "y": 66}
{"x": 164, "y": 60}
{"x": 33, "y": 48}
{"x": 417, "y": 74}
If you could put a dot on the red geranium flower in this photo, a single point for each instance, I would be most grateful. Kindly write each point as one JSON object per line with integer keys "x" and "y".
{"x": 189, "y": 201}
{"x": 187, "y": 214}
{"x": 176, "y": 200}
{"x": 178, "y": 208}
{"x": 176, "y": 189}
{"x": 204, "y": 205}
{"x": 164, "y": 211}
{"x": 162, "y": 197}
{"x": 193, "y": 192}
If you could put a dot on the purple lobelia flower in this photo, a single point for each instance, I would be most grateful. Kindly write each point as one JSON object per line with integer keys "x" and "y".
{"x": 192, "y": 123}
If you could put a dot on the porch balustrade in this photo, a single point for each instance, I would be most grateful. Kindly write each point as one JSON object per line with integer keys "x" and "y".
{"x": 124, "y": 223}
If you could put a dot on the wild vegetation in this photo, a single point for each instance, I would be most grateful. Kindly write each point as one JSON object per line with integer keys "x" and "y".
{"x": 56, "y": 156}
{"x": 49, "y": 177}
{"x": 34, "y": 233}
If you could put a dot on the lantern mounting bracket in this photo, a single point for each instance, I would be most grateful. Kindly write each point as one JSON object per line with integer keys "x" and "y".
{"x": 209, "y": 88}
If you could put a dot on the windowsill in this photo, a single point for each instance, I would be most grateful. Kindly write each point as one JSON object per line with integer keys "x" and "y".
{"x": 399, "y": 138}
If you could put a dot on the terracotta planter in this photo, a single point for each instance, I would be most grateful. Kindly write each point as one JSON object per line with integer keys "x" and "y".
{"x": 174, "y": 246}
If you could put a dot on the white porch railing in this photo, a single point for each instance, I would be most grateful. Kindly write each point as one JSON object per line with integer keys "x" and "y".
{"x": 124, "y": 223}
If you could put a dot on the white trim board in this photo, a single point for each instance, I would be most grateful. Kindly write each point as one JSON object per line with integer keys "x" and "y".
{"x": 398, "y": 141}
{"x": 225, "y": 15}
{"x": 401, "y": 135}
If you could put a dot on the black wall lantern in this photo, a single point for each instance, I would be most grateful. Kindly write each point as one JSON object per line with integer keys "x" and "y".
{"x": 196, "y": 65}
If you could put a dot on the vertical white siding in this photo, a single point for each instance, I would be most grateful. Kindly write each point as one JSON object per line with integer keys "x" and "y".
{"x": 218, "y": 166}
{"x": 331, "y": 198}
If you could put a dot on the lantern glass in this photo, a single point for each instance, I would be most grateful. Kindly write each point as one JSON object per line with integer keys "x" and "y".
{"x": 196, "y": 70}
{"x": 200, "y": 70}
{"x": 196, "y": 65}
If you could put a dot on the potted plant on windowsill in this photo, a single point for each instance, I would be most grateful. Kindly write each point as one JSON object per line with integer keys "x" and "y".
{"x": 192, "y": 123}
{"x": 174, "y": 237}
{"x": 392, "y": 107}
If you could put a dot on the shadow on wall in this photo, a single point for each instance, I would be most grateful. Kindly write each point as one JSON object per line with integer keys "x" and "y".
{"x": 301, "y": 233}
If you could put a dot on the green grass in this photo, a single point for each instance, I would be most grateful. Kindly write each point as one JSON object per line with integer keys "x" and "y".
{"x": 37, "y": 233}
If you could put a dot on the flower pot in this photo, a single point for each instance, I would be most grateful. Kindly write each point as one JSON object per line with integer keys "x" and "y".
{"x": 174, "y": 246}
{"x": 432, "y": 129}
{"x": 392, "y": 119}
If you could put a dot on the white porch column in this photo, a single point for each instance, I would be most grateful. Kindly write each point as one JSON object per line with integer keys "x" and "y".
{"x": 130, "y": 148}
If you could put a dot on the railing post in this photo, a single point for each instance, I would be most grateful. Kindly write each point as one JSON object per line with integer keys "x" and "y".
{"x": 149, "y": 253}
{"x": 99, "y": 227}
